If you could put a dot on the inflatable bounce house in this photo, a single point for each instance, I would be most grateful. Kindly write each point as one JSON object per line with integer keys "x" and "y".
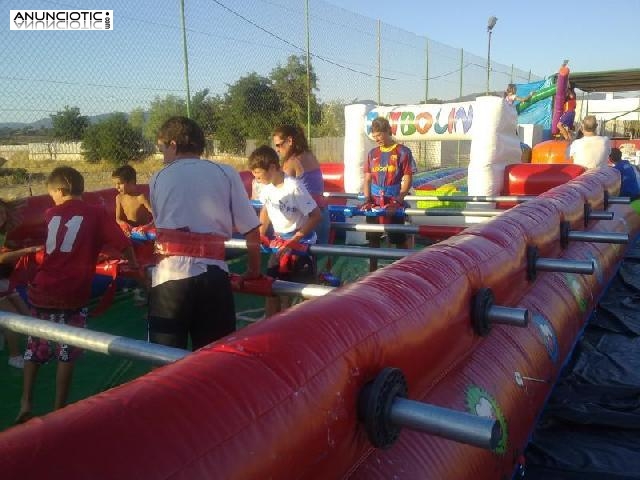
{"x": 423, "y": 369}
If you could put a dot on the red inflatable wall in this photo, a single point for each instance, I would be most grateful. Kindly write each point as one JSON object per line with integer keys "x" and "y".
{"x": 278, "y": 399}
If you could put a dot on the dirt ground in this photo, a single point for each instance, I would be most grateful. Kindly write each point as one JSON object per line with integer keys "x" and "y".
{"x": 96, "y": 176}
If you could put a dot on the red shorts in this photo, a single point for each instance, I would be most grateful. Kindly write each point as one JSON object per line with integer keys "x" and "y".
{"x": 41, "y": 350}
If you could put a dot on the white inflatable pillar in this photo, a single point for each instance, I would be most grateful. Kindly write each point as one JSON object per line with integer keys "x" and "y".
{"x": 356, "y": 145}
{"x": 495, "y": 144}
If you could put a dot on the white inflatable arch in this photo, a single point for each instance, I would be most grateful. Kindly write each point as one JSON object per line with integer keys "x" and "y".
{"x": 489, "y": 122}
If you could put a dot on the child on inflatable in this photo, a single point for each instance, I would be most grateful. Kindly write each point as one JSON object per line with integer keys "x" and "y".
{"x": 565, "y": 124}
{"x": 10, "y": 300}
{"x": 132, "y": 206}
{"x": 388, "y": 173}
{"x": 133, "y": 214}
{"x": 294, "y": 214}
{"x": 510, "y": 96}
{"x": 629, "y": 186}
{"x": 60, "y": 290}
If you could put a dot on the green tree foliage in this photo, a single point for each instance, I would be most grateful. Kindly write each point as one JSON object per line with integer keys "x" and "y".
{"x": 137, "y": 119}
{"x": 252, "y": 108}
{"x": 69, "y": 125}
{"x": 331, "y": 121}
{"x": 160, "y": 110}
{"x": 206, "y": 111}
{"x": 290, "y": 82}
{"x": 114, "y": 140}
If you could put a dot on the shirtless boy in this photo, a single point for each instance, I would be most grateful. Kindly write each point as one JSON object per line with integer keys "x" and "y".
{"x": 132, "y": 206}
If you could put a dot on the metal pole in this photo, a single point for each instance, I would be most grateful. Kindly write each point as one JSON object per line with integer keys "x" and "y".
{"x": 346, "y": 250}
{"x": 91, "y": 340}
{"x": 308, "y": 73}
{"x": 511, "y": 81}
{"x": 451, "y": 198}
{"x": 376, "y": 228}
{"x": 464, "y": 198}
{"x": 460, "y": 92}
{"x": 185, "y": 57}
{"x": 379, "y": 63}
{"x": 488, "y": 61}
{"x": 518, "y": 317}
{"x": 565, "y": 265}
{"x": 426, "y": 76}
{"x": 619, "y": 200}
{"x": 599, "y": 237}
{"x": 451, "y": 212}
{"x": 483, "y": 432}
{"x": 600, "y": 215}
{"x": 282, "y": 287}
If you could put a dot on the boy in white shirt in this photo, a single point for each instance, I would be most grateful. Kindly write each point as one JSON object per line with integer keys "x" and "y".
{"x": 294, "y": 215}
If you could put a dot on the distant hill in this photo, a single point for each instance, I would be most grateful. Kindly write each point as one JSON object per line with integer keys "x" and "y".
{"x": 46, "y": 122}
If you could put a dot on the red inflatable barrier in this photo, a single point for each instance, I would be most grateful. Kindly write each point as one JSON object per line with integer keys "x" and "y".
{"x": 279, "y": 398}
{"x": 534, "y": 179}
{"x": 333, "y": 175}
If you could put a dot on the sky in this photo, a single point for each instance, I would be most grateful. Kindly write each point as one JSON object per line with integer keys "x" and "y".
{"x": 593, "y": 34}
{"x": 141, "y": 59}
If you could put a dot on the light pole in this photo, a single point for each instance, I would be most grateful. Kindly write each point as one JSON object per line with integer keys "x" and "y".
{"x": 490, "y": 24}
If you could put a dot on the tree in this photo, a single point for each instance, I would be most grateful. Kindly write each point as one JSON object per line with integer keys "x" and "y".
{"x": 137, "y": 119}
{"x": 113, "y": 140}
{"x": 332, "y": 120}
{"x": 290, "y": 82}
{"x": 160, "y": 110}
{"x": 251, "y": 109}
{"x": 69, "y": 125}
{"x": 206, "y": 111}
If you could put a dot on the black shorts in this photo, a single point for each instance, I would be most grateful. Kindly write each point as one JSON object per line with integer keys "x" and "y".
{"x": 395, "y": 238}
{"x": 201, "y": 307}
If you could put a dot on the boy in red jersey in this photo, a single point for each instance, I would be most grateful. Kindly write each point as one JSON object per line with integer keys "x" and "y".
{"x": 76, "y": 232}
{"x": 388, "y": 173}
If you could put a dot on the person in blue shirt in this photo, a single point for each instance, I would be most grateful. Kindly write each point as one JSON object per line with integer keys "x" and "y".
{"x": 628, "y": 173}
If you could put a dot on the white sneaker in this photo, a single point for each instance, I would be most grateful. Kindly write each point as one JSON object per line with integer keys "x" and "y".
{"x": 16, "y": 362}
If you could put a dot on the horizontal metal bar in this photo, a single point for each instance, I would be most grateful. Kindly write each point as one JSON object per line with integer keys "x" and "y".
{"x": 467, "y": 198}
{"x": 515, "y": 316}
{"x": 565, "y": 265}
{"x": 444, "y": 198}
{"x": 600, "y": 215}
{"x": 452, "y": 212}
{"x": 346, "y": 250}
{"x": 375, "y": 228}
{"x": 619, "y": 200}
{"x": 598, "y": 237}
{"x": 483, "y": 432}
{"x": 91, "y": 340}
{"x": 282, "y": 287}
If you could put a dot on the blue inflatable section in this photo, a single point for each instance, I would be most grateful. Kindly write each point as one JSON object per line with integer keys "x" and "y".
{"x": 540, "y": 112}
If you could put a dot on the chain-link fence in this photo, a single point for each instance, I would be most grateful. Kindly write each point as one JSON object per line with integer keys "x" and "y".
{"x": 241, "y": 64}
